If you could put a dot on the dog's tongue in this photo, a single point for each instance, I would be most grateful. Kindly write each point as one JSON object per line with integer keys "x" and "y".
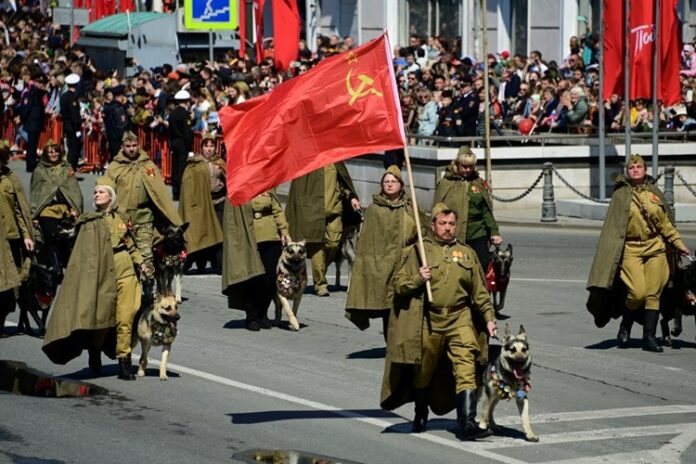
{"x": 518, "y": 373}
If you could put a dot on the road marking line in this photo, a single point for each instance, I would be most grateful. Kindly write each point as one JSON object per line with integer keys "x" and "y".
{"x": 602, "y": 414}
{"x": 530, "y": 279}
{"x": 382, "y": 424}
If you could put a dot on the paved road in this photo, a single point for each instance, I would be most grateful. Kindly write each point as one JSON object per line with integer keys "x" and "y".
{"x": 317, "y": 391}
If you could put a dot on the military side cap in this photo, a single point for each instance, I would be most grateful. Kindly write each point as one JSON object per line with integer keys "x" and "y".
{"x": 50, "y": 143}
{"x": 439, "y": 208}
{"x": 394, "y": 171}
{"x": 129, "y": 136}
{"x": 105, "y": 182}
{"x": 466, "y": 157}
{"x": 208, "y": 136}
{"x": 635, "y": 159}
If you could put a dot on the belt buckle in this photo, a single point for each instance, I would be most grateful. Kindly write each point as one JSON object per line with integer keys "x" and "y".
{"x": 258, "y": 215}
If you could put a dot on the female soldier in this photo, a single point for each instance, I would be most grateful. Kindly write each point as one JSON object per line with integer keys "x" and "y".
{"x": 15, "y": 236}
{"x": 196, "y": 206}
{"x": 389, "y": 227}
{"x": 632, "y": 244}
{"x": 55, "y": 198}
{"x": 468, "y": 195}
{"x": 100, "y": 290}
{"x": 253, "y": 234}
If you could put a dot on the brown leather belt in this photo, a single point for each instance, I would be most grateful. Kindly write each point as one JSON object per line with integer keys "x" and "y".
{"x": 640, "y": 239}
{"x": 447, "y": 309}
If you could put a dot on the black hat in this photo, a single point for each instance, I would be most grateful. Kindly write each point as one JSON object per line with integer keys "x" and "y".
{"x": 447, "y": 93}
{"x": 117, "y": 90}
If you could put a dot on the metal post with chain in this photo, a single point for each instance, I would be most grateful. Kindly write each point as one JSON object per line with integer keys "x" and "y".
{"x": 548, "y": 205}
{"x": 669, "y": 189}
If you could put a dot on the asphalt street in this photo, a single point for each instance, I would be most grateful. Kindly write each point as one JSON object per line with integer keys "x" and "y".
{"x": 231, "y": 391}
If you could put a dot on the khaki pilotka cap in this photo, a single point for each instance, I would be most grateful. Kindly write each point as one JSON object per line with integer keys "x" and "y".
{"x": 438, "y": 209}
{"x": 465, "y": 157}
{"x": 394, "y": 171}
{"x": 635, "y": 159}
{"x": 208, "y": 136}
{"x": 129, "y": 136}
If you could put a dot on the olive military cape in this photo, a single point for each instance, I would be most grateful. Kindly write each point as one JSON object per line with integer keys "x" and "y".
{"x": 126, "y": 172}
{"x": 10, "y": 271}
{"x": 86, "y": 301}
{"x": 241, "y": 258}
{"x": 607, "y": 293}
{"x": 451, "y": 190}
{"x": 9, "y": 275}
{"x": 196, "y": 206}
{"x": 47, "y": 180}
{"x": 382, "y": 239}
{"x": 305, "y": 208}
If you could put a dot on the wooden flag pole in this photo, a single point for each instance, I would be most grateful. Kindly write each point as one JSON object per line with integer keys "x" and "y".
{"x": 421, "y": 247}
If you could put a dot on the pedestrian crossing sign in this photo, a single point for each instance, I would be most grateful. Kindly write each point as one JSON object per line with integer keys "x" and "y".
{"x": 210, "y": 14}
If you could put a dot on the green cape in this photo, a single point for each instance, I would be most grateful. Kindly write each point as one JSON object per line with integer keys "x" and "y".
{"x": 126, "y": 172}
{"x": 47, "y": 180}
{"x": 196, "y": 206}
{"x": 241, "y": 259}
{"x": 86, "y": 300}
{"x": 305, "y": 208}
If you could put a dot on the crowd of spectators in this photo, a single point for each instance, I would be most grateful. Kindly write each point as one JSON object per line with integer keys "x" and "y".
{"x": 441, "y": 94}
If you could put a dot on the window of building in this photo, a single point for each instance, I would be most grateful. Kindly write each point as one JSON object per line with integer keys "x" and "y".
{"x": 430, "y": 17}
{"x": 519, "y": 12}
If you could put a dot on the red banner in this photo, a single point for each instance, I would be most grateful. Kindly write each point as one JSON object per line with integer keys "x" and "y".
{"x": 641, "y": 43}
{"x": 345, "y": 106}
{"x": 258, "y": 21}
{"x": 242, "y": 29}
{"x": 286, "y": 33}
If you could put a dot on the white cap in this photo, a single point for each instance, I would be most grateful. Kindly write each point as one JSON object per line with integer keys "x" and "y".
{"x": 72, "y": 79}
{"x": 182, "y": 95}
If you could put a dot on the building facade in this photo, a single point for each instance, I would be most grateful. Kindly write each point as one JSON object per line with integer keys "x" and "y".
{"x": 518, "y": 26}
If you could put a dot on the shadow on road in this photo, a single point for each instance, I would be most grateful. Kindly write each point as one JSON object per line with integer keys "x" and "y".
{"x": 638, "y": 343}
{"x": 275, "y": 416}
{"x": 371, "y": 353}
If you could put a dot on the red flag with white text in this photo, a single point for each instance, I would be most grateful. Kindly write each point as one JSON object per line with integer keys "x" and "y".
{"x": 286, "y": 33}
{"x": 345, "y": 106}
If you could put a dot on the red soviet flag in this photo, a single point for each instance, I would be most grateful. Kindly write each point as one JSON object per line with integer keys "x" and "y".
{"x": 613, "y": 51}
{"x": 242, "y": 29}
{"x": 345, "y": 106}
{"x": 670, "y": 54}
{"x": 258, "y": 21}
{"x": 286, "y": 33}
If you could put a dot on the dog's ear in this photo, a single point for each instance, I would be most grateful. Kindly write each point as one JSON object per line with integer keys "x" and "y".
{"x": 184, "y": 226}
{"x": 302, "y": 242}
{"x": 522, "y": 333}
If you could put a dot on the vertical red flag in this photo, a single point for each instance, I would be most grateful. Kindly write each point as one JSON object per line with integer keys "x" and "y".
{"x": 345, "y": 106}
{"x": 242, "y": 29}
{"x": 286, "y": 33}
{"x": 614, "y": 44}
{"x": 258, "y": 21}
{"x": 641, "y": 43}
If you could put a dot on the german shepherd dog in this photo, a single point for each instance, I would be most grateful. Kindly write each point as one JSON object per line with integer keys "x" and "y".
{"x": 507, "y": 377}
{"x": 497, "y": 284}
{"x": 291, "y": 281}
{"x": 157, "y": 326}
{"x": 679, "y": 300}
{"x": 170, "y": 256}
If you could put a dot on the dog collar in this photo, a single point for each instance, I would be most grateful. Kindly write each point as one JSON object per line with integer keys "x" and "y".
{"x": 508, "y": 392}
{"x": 162, "y": 333}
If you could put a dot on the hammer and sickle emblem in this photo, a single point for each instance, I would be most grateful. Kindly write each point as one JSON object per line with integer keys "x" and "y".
{"x": 364, "y": 89}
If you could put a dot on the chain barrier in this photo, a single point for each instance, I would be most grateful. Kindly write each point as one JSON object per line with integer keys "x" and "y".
{"x": 686, "y": 184}
{"x": 578, "y": 192}
{"x": 523, "y": 194}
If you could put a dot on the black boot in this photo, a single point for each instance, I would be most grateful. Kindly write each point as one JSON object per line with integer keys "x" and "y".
{"x": 466, "y": 415}
{"x": 649, "y": 328}
{"x": 124, "y": 369}
{"x": 624, "y": 334}
{"x": 95, "y": 364}
{"x": 420, "y": 421}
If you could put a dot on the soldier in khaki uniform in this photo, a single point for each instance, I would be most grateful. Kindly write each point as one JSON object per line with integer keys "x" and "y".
{"x": 463, "y": 190}
{"x": 143, "y": 196}
{"x": 17, "y": 236}
{"x": 446, "y": 327}
{"x": 100, "y": 291}
{"x": 633, "y": 243}
{"x": 315, "y": 213}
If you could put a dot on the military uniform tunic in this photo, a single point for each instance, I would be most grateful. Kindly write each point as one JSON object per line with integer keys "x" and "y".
{"x": 644, "y": 267}
{"x": 458, "y": 288}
